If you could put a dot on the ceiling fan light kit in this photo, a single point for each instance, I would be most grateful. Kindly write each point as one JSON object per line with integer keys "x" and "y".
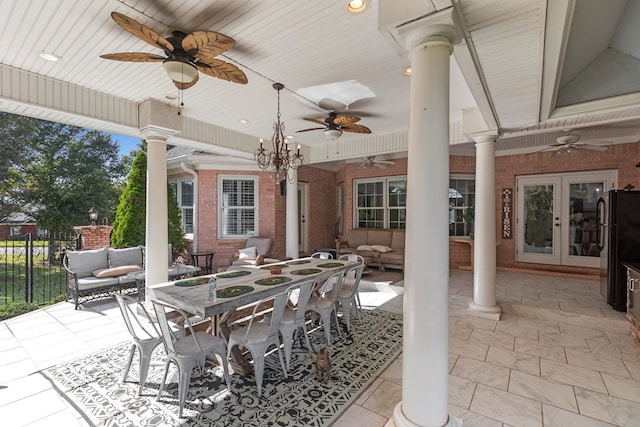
{"x": 186, "y": 54}
{"x": 332, "y": 134}
{"x": 180, "y": 71}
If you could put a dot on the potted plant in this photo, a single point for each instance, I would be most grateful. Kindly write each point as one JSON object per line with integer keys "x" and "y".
{"x": 469, "y": 217}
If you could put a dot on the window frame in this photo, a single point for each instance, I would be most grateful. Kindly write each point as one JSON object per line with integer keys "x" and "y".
{"x": 468, "y": 228}
{"x": 222, "y": 207}
{"x": 177, "y": 187}
{"x": 386, "y": 209}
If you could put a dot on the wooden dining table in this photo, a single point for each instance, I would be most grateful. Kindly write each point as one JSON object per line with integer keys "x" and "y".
{"x": 240, "y": 288}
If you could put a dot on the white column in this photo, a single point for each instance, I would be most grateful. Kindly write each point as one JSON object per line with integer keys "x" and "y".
{"x": 292, "y": 237}
{"x": 426, "y": 321}
{"x": 484, "y": 254}
{"x": 157, "y": 238}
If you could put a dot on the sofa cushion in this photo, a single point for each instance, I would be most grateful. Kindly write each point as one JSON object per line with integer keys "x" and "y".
{"x": 125, "y": 256}
{"x": 379, "y": 237}
{"x": 357, "y": 237}
{"x": 394, "y": 257}
{"x": 397, "y": 241}
{"x": 84, "y": 263}
{"x": 92, "y": 282}
{"x": 263, "y": 245}
{"x": 381, "y": 248}
{"x": 116, "y": 271}
{"x": 365, "y": 248}
{"x": 250, "y": 253}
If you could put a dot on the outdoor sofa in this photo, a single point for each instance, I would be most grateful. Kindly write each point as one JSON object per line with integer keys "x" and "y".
{"x": 379, "y": 247}
{"x": 97, "y": 273}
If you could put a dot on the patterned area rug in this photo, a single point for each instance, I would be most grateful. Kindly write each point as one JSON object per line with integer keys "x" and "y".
{"x": 94, "y": 386}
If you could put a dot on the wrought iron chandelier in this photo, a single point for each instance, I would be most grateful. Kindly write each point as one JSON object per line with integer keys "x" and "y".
{"x": 279, "y": 158}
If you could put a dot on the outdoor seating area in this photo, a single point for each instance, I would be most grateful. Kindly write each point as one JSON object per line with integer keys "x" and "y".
{"x": 383, "y": 248}
{"x": 566, "y": 362}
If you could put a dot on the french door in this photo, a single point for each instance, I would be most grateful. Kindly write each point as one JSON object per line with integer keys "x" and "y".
{"x": 556, "y": 217}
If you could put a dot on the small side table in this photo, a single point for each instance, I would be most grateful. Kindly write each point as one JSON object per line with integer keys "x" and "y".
{"x": 208, "y": 261}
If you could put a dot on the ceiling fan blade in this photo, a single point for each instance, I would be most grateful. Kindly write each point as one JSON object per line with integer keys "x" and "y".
{"x": 183, "y": 86}
{"x": 318, "y": 121}
{"x": 143, "y": 33}
{"x": 307, "y": 130}
{"x": 592, "y": 147}
{"x": 331, "y": 104}
{"x": 221, "y": 70}
{"x": 356, "y": 129}
{"x": 346, "y": 120}
{"x": 379, "y": 165}
{"x": 386, "y": 162}
{"x": 206, "y": 44}
{"x": 134, "y": 57}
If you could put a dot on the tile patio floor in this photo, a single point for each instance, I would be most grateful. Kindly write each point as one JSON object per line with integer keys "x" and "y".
{"x": 559, "y": 357}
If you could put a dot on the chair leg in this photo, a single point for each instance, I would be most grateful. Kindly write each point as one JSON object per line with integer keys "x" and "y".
{"x": 287, "y": 339}
{"x": 126, "y": 371}
{"x": 327, "y": 329}
{"x": 145, "y": 361}
{"x": 284, "y": 370}
{"x": 164, "y": 378}
{"x": 184, "y": 377}
{"x": 306, "y": 338}
{"x": 258, "y": 370}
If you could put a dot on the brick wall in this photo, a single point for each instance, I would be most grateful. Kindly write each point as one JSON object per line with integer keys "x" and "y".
{"x": 323, "y": 198}
{"x": 95, "y": 237}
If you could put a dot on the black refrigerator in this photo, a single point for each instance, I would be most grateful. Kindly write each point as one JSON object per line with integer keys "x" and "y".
{"x": 618, "y": 237}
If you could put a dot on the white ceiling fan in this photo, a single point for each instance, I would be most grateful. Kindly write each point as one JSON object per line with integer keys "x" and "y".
{"x": 371, "y": 162}
{"x": 570, "y": 142}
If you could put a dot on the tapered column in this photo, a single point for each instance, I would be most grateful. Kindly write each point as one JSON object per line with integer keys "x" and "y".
{"x": 292, "y": 214}
{"x": 484, "y": 255}
{"x": 426, "y": 321}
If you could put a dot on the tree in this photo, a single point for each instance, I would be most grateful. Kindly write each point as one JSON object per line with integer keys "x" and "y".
{"x": 130, "y": 223}
{"x": 63, "y": 170}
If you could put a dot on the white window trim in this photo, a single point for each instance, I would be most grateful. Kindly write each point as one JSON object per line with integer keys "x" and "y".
{"x": 385, "y": 207}
{"x": 256, "y": 191}
{"x": 466, "y": 176}
{"x": 178, "y": 195}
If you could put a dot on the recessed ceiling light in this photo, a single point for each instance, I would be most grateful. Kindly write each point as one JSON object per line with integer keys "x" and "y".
{"x": 243, "y": 121}
{"x": 356, "y": 6}
{"x": 407, "y": 71}
{"x": 49, "y": 56}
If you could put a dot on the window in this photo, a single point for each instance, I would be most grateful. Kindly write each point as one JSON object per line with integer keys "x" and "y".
{"x": 238, "y": 206}
{"x": 462, "y": 196}
{"x": 381, "y": 203}
{"x": 183, "y": 190}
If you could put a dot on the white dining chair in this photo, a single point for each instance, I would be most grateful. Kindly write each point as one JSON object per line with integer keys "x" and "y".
{"x": 187, "y": 351}
{"x": 348, "y": 294}
{"x": 323, "y": 303}
{"x": 145, "y": 336}
{"x": 259, "y": 335}
{"x": 348, "y": 282}
{"x": 293, "y": 319}
{"x": 322, "y": 255}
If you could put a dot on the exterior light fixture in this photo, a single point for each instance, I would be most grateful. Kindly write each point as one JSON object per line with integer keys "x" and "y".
{"x": 356, "y": 6}
{"x": 49, "y": 56}
{"x": 93, "y": 215}
{"x": 407, "y": 71}
{"x": 638, "y": 166}
{"x": 279, "y": 158}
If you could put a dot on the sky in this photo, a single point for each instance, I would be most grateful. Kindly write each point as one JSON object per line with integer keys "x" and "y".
{"x": 127, "y": 143}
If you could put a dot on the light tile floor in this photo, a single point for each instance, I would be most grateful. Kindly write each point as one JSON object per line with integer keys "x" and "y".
{"x": 558, "y": 357}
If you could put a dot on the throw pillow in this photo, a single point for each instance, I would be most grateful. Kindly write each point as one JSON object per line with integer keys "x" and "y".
{"x": 365, "y": 248}
{"x": 116, "y": 271}
{"x": 381, "y": 248}
{"x": 249, "y": 253}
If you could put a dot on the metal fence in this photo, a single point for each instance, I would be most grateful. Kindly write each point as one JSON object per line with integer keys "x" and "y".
{"x": 31, "y": 268}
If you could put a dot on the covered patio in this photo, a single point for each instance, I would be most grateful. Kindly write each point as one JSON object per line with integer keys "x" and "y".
{"x": 498, "y": 92}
